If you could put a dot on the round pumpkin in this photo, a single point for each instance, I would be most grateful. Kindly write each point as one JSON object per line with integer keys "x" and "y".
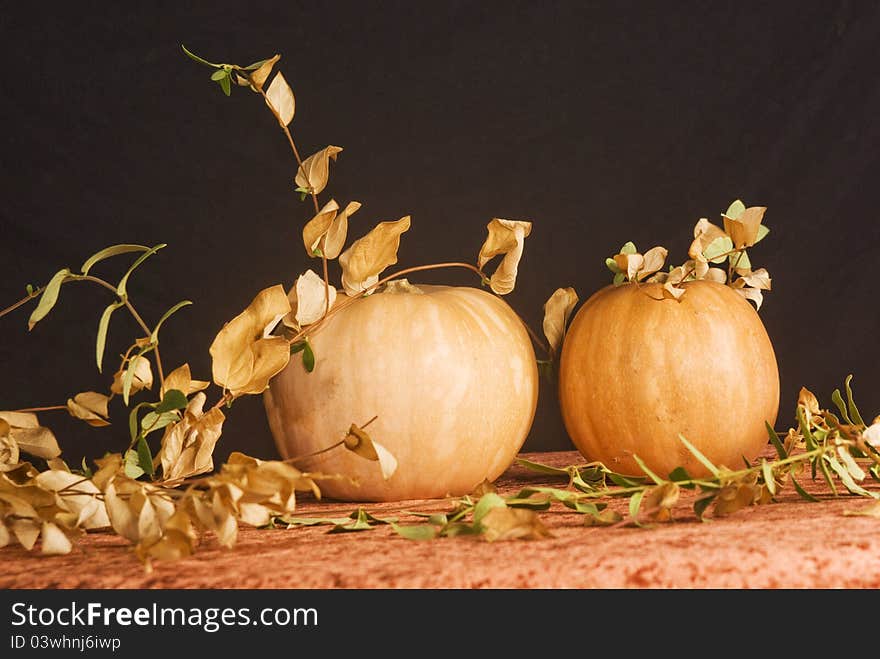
{"x": 637, "y": 370}
{"x": 449, "y": 372}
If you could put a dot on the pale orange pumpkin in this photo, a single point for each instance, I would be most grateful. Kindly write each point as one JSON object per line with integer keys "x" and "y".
{"x": 449, "y": 372}
{"x": 637, "y": 370}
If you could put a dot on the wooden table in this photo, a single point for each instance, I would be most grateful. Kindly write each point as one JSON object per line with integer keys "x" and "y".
{"x": 788, "y": 544}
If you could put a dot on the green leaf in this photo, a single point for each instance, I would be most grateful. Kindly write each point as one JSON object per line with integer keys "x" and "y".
{"x": 584, "y": 507}
{"x": 174, "y": 399}
{"x": 145, "y": 457}
{"x": 542, "y": 468}
{"x": 486, "y": 503}
{"x": 226, "y": 85}
{"x": 699, "y": 456}
{"x": 837, "y": 399}
{"x": 103, "y": 326}
{"x": 701, "y": 503}
{"x": 625, "y": 481}
{"x": 153, "y": 421}
{"x": 132, "y": 468}
{"x": 154, "y": 335}
{"x": 198, "y": 59}
{"x": 735, "y": 210}
{"x": 853, "y": 410}
{"x": 29, "y": 289}
{"x": 762, "y": 233}
{"x": 826, "y": 473}
{"x": 416, "y": 531}
{"x": 532, "y": 503}
{"x": 121, "y": 287}
{"x": 680, "y": 475}
{"x": 845, "y": 477}
{"x": 255, "y": 65}
{"x": 133, "y": 421}
{"x": 308, "y": 358}
{"x": 654, "y": 477}
{"x": 86, "y": 470}
{"x": 107, "y": 252}
{"x": 804, "y": 428}
{"x": 628, "y": 248}
{"x": 717, "y": 250}
{"x": 741, "y": 260}
{"x": 128, "y": 376}
{"x": 769, "y": 480}
{"x": 774, "y": 439}
{"x": 801, "y": 491}
{"x": 619, "y": 278}
{"x": 219, "y": 74}
{"x": 49, "y": 297}
{"x": 611, "y": 264}
{"x": 635, "y": 502}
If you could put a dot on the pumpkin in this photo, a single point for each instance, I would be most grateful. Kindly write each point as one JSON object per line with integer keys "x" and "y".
{"x": 637, "y": 370}
{"x": 449, "y": 372}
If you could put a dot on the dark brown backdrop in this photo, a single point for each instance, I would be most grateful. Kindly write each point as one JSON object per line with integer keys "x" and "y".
{"x": 601, "y": 122}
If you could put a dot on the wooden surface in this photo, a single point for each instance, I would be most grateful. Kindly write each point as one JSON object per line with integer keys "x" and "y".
{"x": 789, "y": 544}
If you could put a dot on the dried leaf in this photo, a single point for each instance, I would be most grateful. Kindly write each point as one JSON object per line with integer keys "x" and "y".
{"x": 872, "y": 434}
{"x": 370, "y": 255}
{"x": 181, "y": 380}
{"x": 29, "y": 436}
{"x": 504, "y": 523}
{"x": 9, "y": 453}
{"x": 505, "y": 237}
{"x": 188, "y": 445}
{"x": 91, "y": 407}
{"x": 26, "y": 531}
{"x": 280, "y": 98}
{"x": 387, "y": 462}
{"x": 753, "y": 294}
{"x": 557, "y": 310}
{"x": 308, "y": 298}
{"x": 315, "y": 170}
{"x": 334, "y": 240}
{"x": 653, "y": 260}
{"x": 55, "y": 541}
{"x": 141, "y": 375}
{"x": 714, "y": 274}
{"x": 258, "y": 78}
{"x": 671, "y": 291}
{"x": 871, "y": 510}
{"x": 318, "y": 226}
{"x": 743, "y": 229}
{"x": 75, "y": 494}
{"x": 758, "y": 279}
{"x": 244, "y": 358}
{"x": 807, "y": 399}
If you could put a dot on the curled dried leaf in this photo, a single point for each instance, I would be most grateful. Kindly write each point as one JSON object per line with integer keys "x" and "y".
{"x": 280, "y": 98}
{"x": 743, "y": 226}
{"x": 358, "y": 441}
{"x": 557, "y": 310}
{"x": 315, "y": 170}
{"x": 245, "y": 356}
{"x": 505, "y": 237}
{"x": 141, "y": 377}
{"x": 318, "y": 226}
{"x": 308, "y": 299}
{"x": 505, "y": 523}
{"x": 188, "y": 445}
{"x": 370, "y": 255}
{"x": 91, "y": 407}
{"x": 258, "y": 78}
{"x": 29, "y": 436}
{"x": 181, "y": 379}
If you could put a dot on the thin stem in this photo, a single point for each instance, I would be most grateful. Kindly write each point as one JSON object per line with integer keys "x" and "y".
{"x": 287, "y": 134}
{"x": 48, "y": 408}
{"x": 22, "y": 301}
{"x": 132, "y": 311}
